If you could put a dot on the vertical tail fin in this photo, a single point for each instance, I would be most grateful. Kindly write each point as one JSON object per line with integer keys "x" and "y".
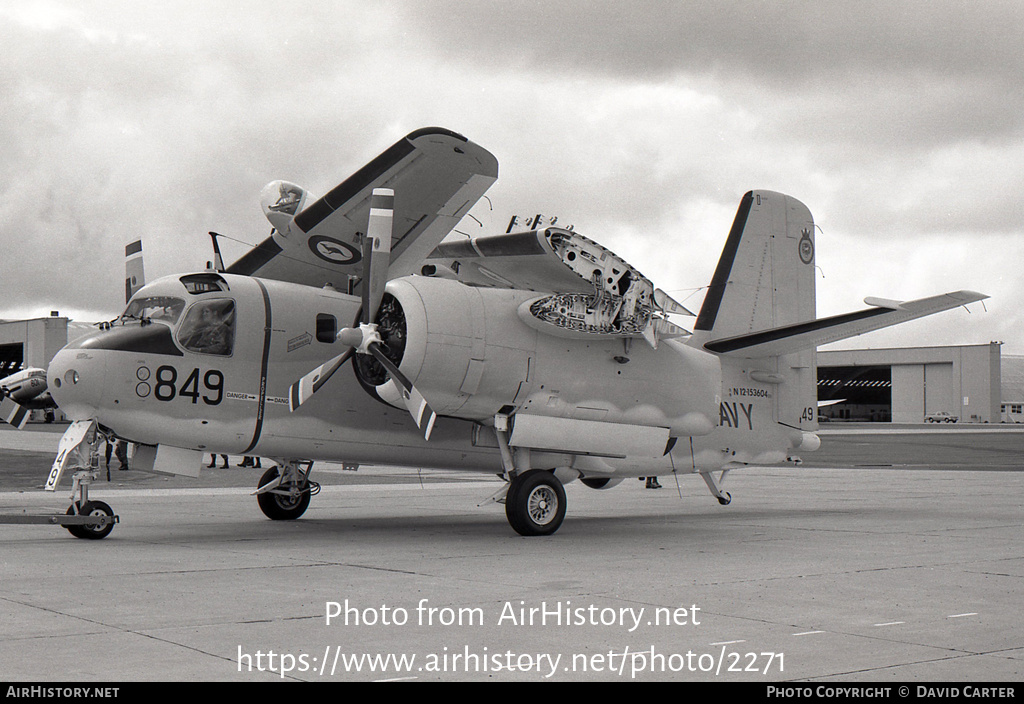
{"x": 134, "y": 274}
{"x": 765, "y": 279}
{"x": 759, "y": 314}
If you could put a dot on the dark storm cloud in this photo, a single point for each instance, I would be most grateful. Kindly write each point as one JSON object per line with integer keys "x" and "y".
{"x": 785, "y": 43}
{"x": 861, "y": 75}
{"x": 643, "y": 123}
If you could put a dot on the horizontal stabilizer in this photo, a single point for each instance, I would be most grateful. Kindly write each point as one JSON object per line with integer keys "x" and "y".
{"x": 801, "y": 336}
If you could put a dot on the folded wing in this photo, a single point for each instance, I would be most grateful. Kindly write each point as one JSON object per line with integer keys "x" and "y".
{"x": 439, "y": 174}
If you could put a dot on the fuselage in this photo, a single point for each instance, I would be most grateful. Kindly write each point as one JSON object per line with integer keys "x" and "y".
{"x": 205, "y": 362}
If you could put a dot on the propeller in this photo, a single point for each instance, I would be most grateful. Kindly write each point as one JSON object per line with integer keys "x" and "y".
{"x": 13, "y": 412}
{"x": 366, "y": 339}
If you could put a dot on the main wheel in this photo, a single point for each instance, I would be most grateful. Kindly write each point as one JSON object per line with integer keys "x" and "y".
{"x": 280, "y": 506}
{"x": 535, "y": 503}
{"x": 92, "y": 532}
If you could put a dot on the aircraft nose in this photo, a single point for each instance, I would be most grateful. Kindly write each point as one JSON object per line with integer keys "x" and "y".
{"x": 75, "y": 379}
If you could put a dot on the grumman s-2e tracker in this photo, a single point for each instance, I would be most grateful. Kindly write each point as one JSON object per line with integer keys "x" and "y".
{"x": 538, "y": 355}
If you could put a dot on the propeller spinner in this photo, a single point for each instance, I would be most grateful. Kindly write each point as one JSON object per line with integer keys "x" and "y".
{"x": 366, "y": 339}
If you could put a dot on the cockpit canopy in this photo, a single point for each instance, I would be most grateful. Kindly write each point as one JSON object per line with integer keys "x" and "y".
{"x": 205, "y": 326}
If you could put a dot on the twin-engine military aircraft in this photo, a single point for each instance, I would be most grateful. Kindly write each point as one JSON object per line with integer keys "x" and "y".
{"x": 354, "y": 334}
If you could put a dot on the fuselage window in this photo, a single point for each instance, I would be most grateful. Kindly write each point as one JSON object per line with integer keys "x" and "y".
{"x": 209, "y": 327}
{"x": 326, "y": 328}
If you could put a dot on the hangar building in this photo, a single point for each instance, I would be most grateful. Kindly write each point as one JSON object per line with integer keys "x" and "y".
{"x": 1013, "y": 388}
{"x": 913, "y": 384}
{"x": 31, "y": 343}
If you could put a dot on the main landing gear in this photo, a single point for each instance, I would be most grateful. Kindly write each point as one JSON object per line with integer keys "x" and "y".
{"x": 535, "y": 498}
{"x": 535, "y": 503}
{"x": 284, "y": 492}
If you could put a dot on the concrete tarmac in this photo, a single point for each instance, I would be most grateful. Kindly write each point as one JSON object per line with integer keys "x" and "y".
{"x": 890, "y": 557}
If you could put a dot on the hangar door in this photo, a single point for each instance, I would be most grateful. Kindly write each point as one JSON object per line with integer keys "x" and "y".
{"x": 861, "y": 393}
{"x": 921, "y": 389}
{"x": 938, "y": 388}
{"x": 11, "y": 358}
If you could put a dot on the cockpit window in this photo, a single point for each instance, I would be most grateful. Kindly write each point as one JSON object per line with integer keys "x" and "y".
{"x": 209, "y": 327}
{"x": 203, "y": 283}
{"x": 166, "y": 309}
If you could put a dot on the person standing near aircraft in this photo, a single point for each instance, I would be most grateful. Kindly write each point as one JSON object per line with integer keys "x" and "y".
{"x": 120, "y": 451}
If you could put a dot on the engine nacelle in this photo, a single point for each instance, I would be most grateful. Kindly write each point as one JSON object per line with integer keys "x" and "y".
{"x": 471, "y": 355}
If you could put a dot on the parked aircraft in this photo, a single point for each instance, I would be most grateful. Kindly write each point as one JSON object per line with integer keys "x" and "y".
{"x": 23, "y": 392}
{"x": 354, "y": 334}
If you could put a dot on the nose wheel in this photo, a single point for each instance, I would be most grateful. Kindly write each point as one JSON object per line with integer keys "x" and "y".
{"x": 97, "y": 529}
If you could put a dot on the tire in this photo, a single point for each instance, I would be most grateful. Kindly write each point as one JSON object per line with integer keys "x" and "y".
{"x": 74, "y": 530}
{"x": 535, "y": 503}
{"x": 278, "y": 507}
{"x": 91, "y": 508}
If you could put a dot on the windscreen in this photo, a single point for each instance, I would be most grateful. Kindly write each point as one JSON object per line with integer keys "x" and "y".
{"x": 166, "y": 309}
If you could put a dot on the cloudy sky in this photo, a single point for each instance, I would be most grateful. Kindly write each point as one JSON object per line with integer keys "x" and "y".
{"x": 899, "y": 124}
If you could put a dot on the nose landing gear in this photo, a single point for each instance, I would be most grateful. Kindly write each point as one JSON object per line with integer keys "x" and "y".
{"x": 78, "y": 451}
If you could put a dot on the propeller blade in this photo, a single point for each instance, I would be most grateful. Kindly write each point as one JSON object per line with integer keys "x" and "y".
{"x": 376, "y": 259}
{"x": 303, "y": 389}
{"x": 421, "y": 411}
{"x": 377, "y": 250}
{"x": 13, "y": 412}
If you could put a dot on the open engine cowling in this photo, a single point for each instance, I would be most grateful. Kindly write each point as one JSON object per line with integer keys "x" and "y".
{"x": 471, "y": 355}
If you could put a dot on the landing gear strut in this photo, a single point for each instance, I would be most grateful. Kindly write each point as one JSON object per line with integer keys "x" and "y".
{"x": 284, "y": 492}
{"x": 79, "y": 451}
{"x": 723, "y": 497}
{"x": 535, "y": 499}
